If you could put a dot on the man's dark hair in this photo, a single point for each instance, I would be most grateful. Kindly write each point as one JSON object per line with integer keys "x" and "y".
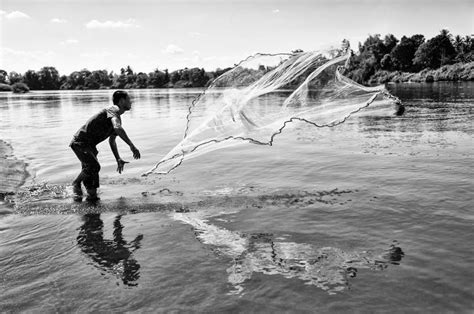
{"x": 119, "y": 95}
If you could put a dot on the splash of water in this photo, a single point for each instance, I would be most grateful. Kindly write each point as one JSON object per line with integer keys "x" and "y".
{"x": 259, "y": 97}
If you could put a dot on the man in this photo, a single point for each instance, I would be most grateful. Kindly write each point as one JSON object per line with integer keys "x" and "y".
{"x": 103, "y": 125}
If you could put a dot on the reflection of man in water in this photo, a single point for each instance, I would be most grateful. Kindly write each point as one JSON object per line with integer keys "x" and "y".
{"x": 114, "y": 255}
{"x": 103, "y": 125}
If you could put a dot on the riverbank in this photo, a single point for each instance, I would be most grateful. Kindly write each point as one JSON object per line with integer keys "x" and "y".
{"x": 453, "y": 72}
{"x": 12, "y": 171}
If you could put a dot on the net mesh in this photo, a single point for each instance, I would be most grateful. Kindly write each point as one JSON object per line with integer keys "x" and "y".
{"x": 259, "y": 97}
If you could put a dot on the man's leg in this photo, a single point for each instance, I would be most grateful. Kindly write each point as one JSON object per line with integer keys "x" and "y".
{"x": 91, "y": 182}
{"x": 76, "y": 184}
{"x": 90, "y": 169}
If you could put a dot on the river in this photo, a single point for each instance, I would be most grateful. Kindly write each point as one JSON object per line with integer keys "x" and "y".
{"x": 374, "y": 215}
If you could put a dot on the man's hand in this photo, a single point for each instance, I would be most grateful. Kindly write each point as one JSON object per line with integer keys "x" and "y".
{"x": 136, "y": 152}
{"x": 120, "y": 164}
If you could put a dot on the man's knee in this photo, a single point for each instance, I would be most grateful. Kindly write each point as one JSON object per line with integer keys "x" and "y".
{"x": 92, "y": 168}
{"x": 95, "y": 168}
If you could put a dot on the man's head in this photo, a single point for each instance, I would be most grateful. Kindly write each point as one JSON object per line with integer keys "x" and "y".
{"x": 122, "y": 100}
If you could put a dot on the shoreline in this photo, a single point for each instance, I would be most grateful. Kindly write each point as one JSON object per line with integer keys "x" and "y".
{"x": 459, "y": 72}
{"x": 13, "y": 172}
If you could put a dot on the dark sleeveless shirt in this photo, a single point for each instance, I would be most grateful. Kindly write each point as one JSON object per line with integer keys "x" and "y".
{"x": 98, "y": 128}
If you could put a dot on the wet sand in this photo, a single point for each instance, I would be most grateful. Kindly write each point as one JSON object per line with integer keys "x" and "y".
{"x": 12, "y": 171}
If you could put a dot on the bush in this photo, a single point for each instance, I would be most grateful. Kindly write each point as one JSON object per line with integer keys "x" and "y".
{"x": 5, "y": 88}
{"x": 20, "y": 88}
{"x": 429, "y": 79}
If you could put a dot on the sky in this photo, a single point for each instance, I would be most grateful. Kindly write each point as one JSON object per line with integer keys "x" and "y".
{"x": 111, "y": 34}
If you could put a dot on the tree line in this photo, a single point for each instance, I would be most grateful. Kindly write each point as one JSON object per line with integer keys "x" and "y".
{"x": 48, "y": 78}
{"x": 409, "y": 54}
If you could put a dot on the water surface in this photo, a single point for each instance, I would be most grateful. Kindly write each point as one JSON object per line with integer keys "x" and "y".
{"x": 373, "y": 215}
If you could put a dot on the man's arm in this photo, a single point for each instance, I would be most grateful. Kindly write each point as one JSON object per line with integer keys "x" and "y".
{"x": 123, "y": 135}
{"x": 113, "y": 147}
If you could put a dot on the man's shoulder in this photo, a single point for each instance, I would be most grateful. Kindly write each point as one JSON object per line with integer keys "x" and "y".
{"x": 112, "y": 111}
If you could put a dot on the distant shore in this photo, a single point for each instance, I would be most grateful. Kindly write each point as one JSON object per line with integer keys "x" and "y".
{"x": 453, "y": 72}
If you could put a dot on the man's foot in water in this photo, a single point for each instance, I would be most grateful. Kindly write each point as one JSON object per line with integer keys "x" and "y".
{"x": 92, "y": 195}
{"x": 77, "y": 192}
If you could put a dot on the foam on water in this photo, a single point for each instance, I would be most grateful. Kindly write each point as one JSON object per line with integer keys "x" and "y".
{"x": 51, "y": 199}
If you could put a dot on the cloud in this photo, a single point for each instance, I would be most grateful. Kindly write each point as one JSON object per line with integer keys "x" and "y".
{"x": 35, "y": 54}
{"x": 196, "y": 34}
{"x": 17, "y": 59}
{"x": 58, "y": 20}
{"x": 70, "y": 42}
{"x": 14, "y": 15}
{"x": 96, "y": 55}
{"x": 276, "y": 11}
{"x": 172, "y": 50}
{"x": 94, "y": 24}
{"x": 195, "y": 58}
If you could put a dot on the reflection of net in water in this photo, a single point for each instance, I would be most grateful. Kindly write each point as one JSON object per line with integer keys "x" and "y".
{"x": 256, "y": 100}
{"x": 327, "y": 268}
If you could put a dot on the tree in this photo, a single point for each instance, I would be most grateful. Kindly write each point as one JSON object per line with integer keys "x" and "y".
{"x": 31, "y": 79}
{"x": 15, "y": 77}
{"x": 402, "y": 54}
{"x": 167, "y": 77}
{"x": 362, "y": 69}
{"x": 129, "y": 71}
{"x": 468, "y": 49}
{"x": 175, "y": 76}
{"x": 373, "y": 46}
{"x": 141, "y": 80}
{"x": 131, "y": 77}
{"x": 75, "y": 80}
{"x": 48, "y": 78}
{"x": 3, "y": 77}
{"x": 418, "y": 39}
{"x": 436, "y": 52}
{"x": 198, "y": 77}
{"x": 464, "y": 49}
{"x": 157, "y": 78}
{"x": 185, "y": 74}
{"x": 97, "y": 79}
{"x": 389, "y": 42}
{"x": 218, "y": 72}
{"x": 92, "y": 81}
{"x": 20, "y": 87}
{"x": 386, "y": 62}
{"x": 62, "y": 80}
{"x": 120, "y": 80}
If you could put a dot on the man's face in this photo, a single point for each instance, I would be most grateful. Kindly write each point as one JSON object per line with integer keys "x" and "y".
{"x": 126, "y": 103}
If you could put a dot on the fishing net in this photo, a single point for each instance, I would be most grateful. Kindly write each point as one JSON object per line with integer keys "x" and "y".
{"x": 259, "y": 97}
